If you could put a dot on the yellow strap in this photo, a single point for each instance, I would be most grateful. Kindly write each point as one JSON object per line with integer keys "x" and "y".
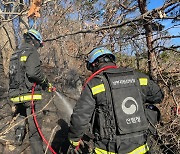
{"x": 101, "y": 151}
{"x": 23, "y": 58}
{"x": 26, "y": 98}
{"x": 101, "y": 51}
{"x": 143, "y": 81}
{"x": 74, "y": 143}
{"x": 140, "y": 150}
{"x": 98, "y": 89}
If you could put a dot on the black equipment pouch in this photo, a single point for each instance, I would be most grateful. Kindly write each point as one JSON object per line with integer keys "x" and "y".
{"x": 127, "y": 101}
{"x": 153, "y": 116}
{"x": 16, "y": 73}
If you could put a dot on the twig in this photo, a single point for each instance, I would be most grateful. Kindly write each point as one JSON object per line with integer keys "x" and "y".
{"x": 8, "y": 37}
{"x": 50, "y": 138}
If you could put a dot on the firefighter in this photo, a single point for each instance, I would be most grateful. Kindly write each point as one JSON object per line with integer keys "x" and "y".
{"x": 24, "y": 71}
{"x": 113, "y": 103}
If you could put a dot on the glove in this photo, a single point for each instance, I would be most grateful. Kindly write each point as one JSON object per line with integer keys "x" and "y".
{"x": 51, "y": 88}
{"x": 75, "y": 147}
{"x": 44, "y": 84}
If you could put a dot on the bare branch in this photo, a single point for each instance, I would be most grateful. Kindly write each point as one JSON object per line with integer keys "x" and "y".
{"x": 112, "y": 26}
{"x": 172, "y": 48}
{"x": 167, "y": 37}
{"x": 8, "y": 37}
{"x": 126, "y": 8}
{"x": 91, "y": 30}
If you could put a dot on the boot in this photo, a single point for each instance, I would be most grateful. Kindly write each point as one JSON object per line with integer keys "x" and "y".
{"x": 19, "y": 135}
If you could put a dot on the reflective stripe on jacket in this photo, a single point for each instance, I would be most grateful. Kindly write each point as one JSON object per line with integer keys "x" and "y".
{"x": 140, "y": 150}
{"x": 24, "y": 98}
{"x": 100, "y": 88}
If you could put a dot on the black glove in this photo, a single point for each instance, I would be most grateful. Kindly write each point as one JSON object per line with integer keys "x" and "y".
{"x": 75, "y": 147}
{"x": 44, "y": 84}
{"x": 51, "y": 88}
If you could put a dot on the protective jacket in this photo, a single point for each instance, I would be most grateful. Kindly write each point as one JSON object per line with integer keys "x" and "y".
{"x": 113, "y": 103}
{"x": 24, "y": 70}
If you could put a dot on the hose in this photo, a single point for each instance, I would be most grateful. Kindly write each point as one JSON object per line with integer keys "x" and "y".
{"x": 36, "y": 123}
{"x": 97, "y": 72}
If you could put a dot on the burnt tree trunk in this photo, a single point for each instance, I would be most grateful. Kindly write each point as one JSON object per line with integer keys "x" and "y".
{"x": 137, "y": 60}
{"x": 3, "y": 86}
{"x": 148, "y": 32}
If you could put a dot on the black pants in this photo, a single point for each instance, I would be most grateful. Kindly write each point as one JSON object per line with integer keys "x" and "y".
{"x": 35, "y": 140}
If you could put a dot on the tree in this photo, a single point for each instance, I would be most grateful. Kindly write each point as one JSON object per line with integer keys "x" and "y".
{"x": 72, "y": 28}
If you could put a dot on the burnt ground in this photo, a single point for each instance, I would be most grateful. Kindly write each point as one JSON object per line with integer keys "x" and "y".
{"x": 56, "y": 116}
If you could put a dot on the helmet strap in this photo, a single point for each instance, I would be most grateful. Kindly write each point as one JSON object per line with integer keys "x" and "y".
{"x": 105, "y": 59}
{"x": 93, "y": 67}
{"x": 36, "y": 43}
{"x": 27, "y": 37}
{"x": 30, "y": 38}
{"x": 101, "y": 60}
